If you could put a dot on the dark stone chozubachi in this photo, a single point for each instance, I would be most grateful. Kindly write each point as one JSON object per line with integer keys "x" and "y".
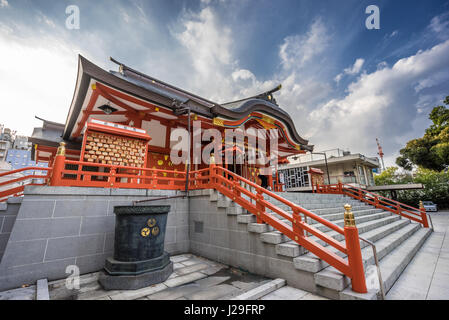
{"x": 139, "y": 258}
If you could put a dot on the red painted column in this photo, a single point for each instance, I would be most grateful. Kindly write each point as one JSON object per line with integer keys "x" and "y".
{"x": 58, "y": 166}
{"x": 354, "y": 252}
{"x": 425, "y": 223}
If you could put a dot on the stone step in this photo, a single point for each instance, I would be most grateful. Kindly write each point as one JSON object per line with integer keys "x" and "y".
{"x": 357, "y": 213}
{"x": 259, "y": 227}
{"x": 246, "y": 218}
{"x": 317, "y": 204}
{"x": 234, "y": 209}
{"x": 362, "y": 220}
{"x": 3, "y": 206}
{"x": 334, "y": 218}
{"x": 392, "y": 266}
{"x": 394, "y": 263}
{"x": 297, "y": 195}
{"x": 358, "y": 220}
{"x": 371, "y": 231}
{"x": 338, "y": 210}
{"x": 274, "y": 237}
{"x": 262, "y": 290}
{"x": 360, "y": 206}
{"x": 334, "y": 279}
{"x": 292, "y": 249}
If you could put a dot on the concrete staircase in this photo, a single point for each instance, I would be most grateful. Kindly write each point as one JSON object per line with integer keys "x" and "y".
{"x": 396, "y": 239}
{"x": 8, "y": 214}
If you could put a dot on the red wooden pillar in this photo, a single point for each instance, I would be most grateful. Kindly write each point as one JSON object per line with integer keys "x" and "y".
{"x": 425, "y": 223}
{"x": 260, "y": 207}
{"x": 354, "y": 252}
{"x": 299, "y": 231}
{"x": 58, "y": 166}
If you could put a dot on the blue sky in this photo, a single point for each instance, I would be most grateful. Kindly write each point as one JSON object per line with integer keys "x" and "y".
{"x": 344, "y": 85}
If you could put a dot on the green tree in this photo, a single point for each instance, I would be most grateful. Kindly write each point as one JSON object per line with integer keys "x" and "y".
{"x": 436, "y": 186}
{"x": 432, "y": 150}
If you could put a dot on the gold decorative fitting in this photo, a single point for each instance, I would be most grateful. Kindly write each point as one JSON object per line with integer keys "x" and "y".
{"x": 218, "y": 122}
{"x": 349, "y": 216}
{"x": 212, "y": 159}
{"x": 268, "y": 119}
{"x": 151, "y": 222}
{"x": 155, "y": 231}
{"x": 61, "y": 149}
{"x": 145, "y": 232}
{"x": 94, "y": 86}
{"x": 421, "y": 205}
{"x": 296, "y": 238}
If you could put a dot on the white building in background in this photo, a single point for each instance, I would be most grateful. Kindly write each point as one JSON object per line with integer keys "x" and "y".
{"x": 344, "y": 166}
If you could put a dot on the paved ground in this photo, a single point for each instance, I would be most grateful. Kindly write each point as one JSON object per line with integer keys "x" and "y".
{"x": 194, "y": 278}
{"x": 427, "y": 275}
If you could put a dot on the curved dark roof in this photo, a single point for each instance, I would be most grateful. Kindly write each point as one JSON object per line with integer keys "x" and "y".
{"x": 160, "y": 93}
{"x": 242, "y": 108}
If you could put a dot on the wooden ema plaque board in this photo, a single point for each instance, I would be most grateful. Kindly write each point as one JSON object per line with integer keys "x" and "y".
{"x": 113, "y": 149}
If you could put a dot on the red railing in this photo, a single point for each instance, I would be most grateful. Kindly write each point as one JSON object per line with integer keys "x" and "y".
{"x": 87, "y": 174}
{"x": 15, "y": 190}
{"x": 378, "y": 201}
{"x": 238, "y": 189}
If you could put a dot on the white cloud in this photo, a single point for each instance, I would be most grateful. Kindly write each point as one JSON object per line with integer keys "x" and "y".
{"x": 355, "y": 69}
{"x": 440, "y": 24}
{"x": 209, "y": 47}
{"x": 382, "y": 103}
{"x": 4, "y": 3}
{"x": 298, "y": 49}
{"x": 38, "y": 79}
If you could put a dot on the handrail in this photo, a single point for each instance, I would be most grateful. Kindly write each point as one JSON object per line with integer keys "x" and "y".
{"x": 113, "y": 176}
{"x": 18, "y": 190}
{"x": 377, "y": 200}
{"x": 25, "y": 169}
{"x": 376, "y": 261}
{"x": 351, "y": 266}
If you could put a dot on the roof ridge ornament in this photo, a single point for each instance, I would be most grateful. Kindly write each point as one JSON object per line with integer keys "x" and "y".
{"x": 268, "y": 95}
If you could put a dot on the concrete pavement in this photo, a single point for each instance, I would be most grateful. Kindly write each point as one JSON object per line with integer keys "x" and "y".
{"x": 427, "y": 275}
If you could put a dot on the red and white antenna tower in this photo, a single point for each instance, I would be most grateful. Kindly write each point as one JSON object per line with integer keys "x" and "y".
{"x": 381, "y": 154}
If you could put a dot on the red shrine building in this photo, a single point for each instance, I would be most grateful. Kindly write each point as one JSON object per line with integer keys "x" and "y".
{"x": 122, "y": 132}
{"x": 120, "y": 122}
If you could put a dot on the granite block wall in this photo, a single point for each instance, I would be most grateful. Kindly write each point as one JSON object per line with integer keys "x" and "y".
{"x": 60, "y": 226}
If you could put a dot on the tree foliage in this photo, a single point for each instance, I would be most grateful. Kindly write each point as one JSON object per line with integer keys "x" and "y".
{"x": 432, "y": 150}
{"x": 436, "y": 186}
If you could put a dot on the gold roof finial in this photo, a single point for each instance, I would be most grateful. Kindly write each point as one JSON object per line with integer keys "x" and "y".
{"x": 349, "y": 216}
{"x": 61, "y": 149}
{"x": 212, "y": 159}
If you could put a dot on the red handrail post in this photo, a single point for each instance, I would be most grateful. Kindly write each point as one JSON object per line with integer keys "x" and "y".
{"x": 260, "y": 207}
{"x": 58, "y": 166}
{"x": 422, "y": 210}
{"x": 340, "y": 187}
{"x": 211, "y": 171}
{"x": 299, "y": 231}
{"x": 398, "y": 209}
{"x": 354, "y": 252}
{"x": 236, "y": 189}
{"x": 111, "y": 179}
